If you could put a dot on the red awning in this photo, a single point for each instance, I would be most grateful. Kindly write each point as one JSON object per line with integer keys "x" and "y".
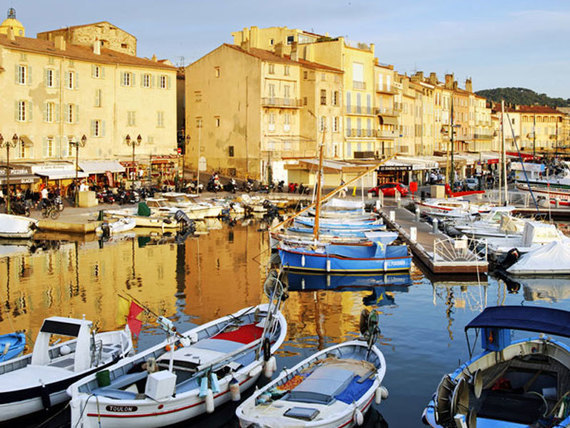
{"x": 524, "y": 156}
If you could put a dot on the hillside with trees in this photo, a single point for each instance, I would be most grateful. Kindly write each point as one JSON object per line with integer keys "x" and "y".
{"x": 522, "y": 96}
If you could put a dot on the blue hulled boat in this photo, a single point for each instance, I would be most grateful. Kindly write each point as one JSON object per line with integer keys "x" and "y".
{"x": 11, "y": 345}
{"x": 522, "y": 383}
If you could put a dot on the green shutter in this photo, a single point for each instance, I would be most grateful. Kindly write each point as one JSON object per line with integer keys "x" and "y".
{"x": 93, "y": 70}
{"x": 29, "y": 82}
{"x": 142, "y": 80}
{"x": 16, "y": 74}
{"x": 58, "y": 147}
{"x": 76, "y": 86}
{"x": 168, "y": 82}
{"x": 46, "y": 77}
{"x": 16, "y": 108}
{"x": 102, "y": 72}
{"x": 45, "y": 111}
{"x": 102, "y": 128}
{"x": 133, "y": 82}
{"x": 57, "y": 113}
{"x": 30, "y": 106}
{"x": 76, "y": 113}
{"x": 153, "y": 81}
{"x": 45, "y": 147}
{"x": 66, "y": 79}
{"x": 92, "y": 128}
{"x": 30, "y": 151}
{"x": 56, "y": 83}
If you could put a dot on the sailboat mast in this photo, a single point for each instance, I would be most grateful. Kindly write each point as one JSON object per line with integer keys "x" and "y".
{"x": 502, "y": 151}
{"x": 319, "y": 180}
{"x": 504, "y": 165}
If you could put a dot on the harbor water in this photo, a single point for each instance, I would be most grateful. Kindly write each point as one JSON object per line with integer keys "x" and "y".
{"x": 208, "y": 276}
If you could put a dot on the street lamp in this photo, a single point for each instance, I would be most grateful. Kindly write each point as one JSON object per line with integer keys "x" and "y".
{"x": 77, "y": 144}
{"x": 133, "y": 144}
{"x": 8, "y": 144}
{"x": 186, "y": 142}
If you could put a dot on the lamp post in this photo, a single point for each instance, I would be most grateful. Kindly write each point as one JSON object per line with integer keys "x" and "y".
{"x": 185, "y": 142}
{"x": 77, "y": 144}
{"x": 8, "y": 144}
{"x": 133, "y": 143}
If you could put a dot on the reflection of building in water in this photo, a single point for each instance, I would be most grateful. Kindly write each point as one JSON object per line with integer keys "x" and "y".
{"x": 82, "y": 279}
{"x": 225, "y": 272}
{"x": 548, "y": 289}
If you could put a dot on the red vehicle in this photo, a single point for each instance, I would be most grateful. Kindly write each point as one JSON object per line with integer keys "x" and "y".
{"x": 389, "y": 189}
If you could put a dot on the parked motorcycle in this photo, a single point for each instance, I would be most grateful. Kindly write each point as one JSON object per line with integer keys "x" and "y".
{"x": 214, "y": 186}
{"x": 106, "y": 197}
{"x": 58, "y": 203}
{"x": 231, "y": 186}
{"x": 20, "y": 207}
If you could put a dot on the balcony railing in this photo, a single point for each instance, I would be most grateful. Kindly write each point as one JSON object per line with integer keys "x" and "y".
{"x": 385, "y": 89}
{"x": 381, "y": 133}
{"x": 362, "y": 133}
{"x": 485, "y": 136}
{"x": 385, "y": 111}
{"x": 358, "y": 85}
{"x": 281, "y": 102}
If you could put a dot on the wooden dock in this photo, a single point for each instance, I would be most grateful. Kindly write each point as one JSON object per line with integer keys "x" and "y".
{"x": 438, "y": 252}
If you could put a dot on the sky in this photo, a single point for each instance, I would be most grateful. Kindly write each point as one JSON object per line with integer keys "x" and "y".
{"x": 500, "y": 43}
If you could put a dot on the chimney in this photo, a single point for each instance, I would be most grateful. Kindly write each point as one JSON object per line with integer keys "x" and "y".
{"x": 433, "y": 78}
{"x": 59, "y": 43}
{"x": 246, "y": 45}
{"x": 455, "y": 85}
{"x": 418, "y": 77}
{"x": 279, "y": 49}
{"x": 449, "y": 81}
{"x": 11, "y": 34}
{"x": 254, "y": 37}
{"x": 153, "y": 59}
{"x": 294, "y": 52}
{"x": 468, "y": 85}
{"x": 97, "y": 47}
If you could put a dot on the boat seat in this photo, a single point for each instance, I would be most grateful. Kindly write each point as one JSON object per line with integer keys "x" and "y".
{"x": 117, "y": 394}
{"x": 322, "y": 385}
{"x": 122, "y": 382}
{"x": 218, "y": 345}
{"x": 523, "y": 408}
{"x": 66, "y": 363}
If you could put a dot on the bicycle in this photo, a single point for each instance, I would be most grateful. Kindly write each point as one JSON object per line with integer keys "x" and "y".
{"x": 50, "y": 211}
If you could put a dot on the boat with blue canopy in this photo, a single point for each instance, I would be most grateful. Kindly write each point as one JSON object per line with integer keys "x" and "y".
{"x": 512, "y": 383}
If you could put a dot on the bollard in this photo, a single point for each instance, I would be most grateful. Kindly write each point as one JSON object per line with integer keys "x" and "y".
{"x": 378, "y": 206}
{"x": 398, "y": 198}
{"x": 418, "y": 214}
{"x": 557, "y": 205}
{"x": 435, "y": 225}
{"x": 413, "y": 234}
{"x": 381, "y": 198}
{"x": 392, "y": 215}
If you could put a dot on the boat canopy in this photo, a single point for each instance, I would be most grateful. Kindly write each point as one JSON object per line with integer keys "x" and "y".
{"x": 528, "y": 318}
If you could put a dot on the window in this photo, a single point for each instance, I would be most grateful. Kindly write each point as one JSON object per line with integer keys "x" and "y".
{"x": 323, "y": 124}
{"x": 21, "y": 150}
{"x": 271, "y": 42}
{"x": 197, "y": 96}
{"x": 286, "y": 70}
{"x": 217, "y": 72}
{"x": 357, "y": 72}
{"x": 358, "y": 102}
{"x": 323, "y": 97}
{"x": 335, "y": 98}
{"x": 71, "y": 80}
{"x": 272, "y": 121}
{"x": 146, "y": 80}
{"x": 304, "y": 101}
{"x": 348, "y": 109}
{"x": 231, "y": 151}
{"x": 217, "y": 121}
{"x": 50, "y": 112}
{"x": 22, "y": 74}
{"x": 49, "y": 148}
{"x": 50, "y": 78}
{"x": 163, "y": 82}
{"x": 160, "y": 119}
{"x": 22, "y": 114}
{"x": 98, "y": 97}
{"x": 287, "y": 122}
{"x": 287, "y": 91}
{"x": 271, "y": 88}
{"x": 305, "y": 75}
{"x": 290, "y": 40}
{"x": 127, "y": 79}
{"x": 131, "y": 118}
{"x": 198, "y": 122}
{"x": 96, "y": 72}
{"x": 70, "y": 116}
{"x": 124, "y": 45}
{"x": 368, "y": 104}
{"x": 335, "y": 124}
{"x": 97, "y": 128}
{"x": 348, "y": 126}
{"x": 271, "y": 68}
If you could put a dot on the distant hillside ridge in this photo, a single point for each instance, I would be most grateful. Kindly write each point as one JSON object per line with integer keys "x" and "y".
{"x": 522, "y": 96}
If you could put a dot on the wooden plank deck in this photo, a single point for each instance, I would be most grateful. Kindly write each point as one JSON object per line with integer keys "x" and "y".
{"x": 423, "y": 246}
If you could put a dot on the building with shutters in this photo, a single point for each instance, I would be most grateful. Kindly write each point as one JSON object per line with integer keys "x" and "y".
{"x": 84, "y": 80}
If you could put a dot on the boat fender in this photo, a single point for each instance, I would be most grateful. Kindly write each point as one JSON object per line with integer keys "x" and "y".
{"x": 358, "y": 417}
{"x": 255, "y": 371}
{"x": 203, "y": 387}
{"x": 210, "y": 401}
{"x": 380, "y": 394}
{"x": 266, "y": 349}
{"x": 215, "y": 383}
{"x": 269, "y": 367}
{"x": 46, "y": 401}
{"x": 328, "y": 265}
{"x": 185, "y": 341}
{"x": 303, "y": 260}
{"x": 234, "y": 389}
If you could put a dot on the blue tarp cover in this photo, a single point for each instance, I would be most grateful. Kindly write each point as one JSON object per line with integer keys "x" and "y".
{"x": 528, "y": 318}
{"x": 354, "y": 391}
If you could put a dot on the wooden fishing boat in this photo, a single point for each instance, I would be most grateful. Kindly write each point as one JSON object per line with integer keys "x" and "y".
{"x": 184, "y": 376}
{"x": 510, "y": 384}
{"x": 332, "y": 388}
{"x": 11, "y": 345}
{"x": 16, "y": 226}
{"x": 121, "y": 225}
{"x": 37, "y": 381}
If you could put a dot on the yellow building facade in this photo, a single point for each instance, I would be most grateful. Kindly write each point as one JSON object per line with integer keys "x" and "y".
{"x": 57, "y": 91}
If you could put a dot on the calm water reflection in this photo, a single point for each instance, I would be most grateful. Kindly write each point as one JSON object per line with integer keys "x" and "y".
{"x": 218, "y": 273}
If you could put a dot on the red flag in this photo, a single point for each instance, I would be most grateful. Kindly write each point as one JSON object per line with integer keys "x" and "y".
{"x": 132, "y": 321}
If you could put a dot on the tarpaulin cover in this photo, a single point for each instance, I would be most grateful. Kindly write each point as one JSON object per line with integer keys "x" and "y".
{"x": 355, "y": 390}
{"x": 528, "y": 318}
{"x": 549, "y": 258}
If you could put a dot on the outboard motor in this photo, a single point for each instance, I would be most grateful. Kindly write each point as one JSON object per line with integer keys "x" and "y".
{"x": 181, "y": 217}
{"x": 510, "y": 259}
{"x": 106, "y": 230}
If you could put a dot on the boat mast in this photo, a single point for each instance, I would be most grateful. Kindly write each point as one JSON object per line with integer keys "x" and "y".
{"x": 319, "y": 179}
{"x": 504, "y": 164}
{"x": 502, "y": 151}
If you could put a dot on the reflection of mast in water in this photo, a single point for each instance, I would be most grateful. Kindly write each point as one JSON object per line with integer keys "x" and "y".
{"x": 449, "y": 301}
{"x": 134, "y": 280}
{"x": 318, "y": 325}
{"x": 180, "y": 276}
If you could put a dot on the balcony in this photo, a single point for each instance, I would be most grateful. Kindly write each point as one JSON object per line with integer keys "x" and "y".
{"x": 385, "y": 89}
{"x": 360, "y": 110}
{"x": 384, "y": 111}
{"x": 358, "y": 85}
{"x": 382, "y": 133}
{"x": 398, "y": 107}
{"x": 360, "y": 133}
{"x": 483, "y": 136}
{"x": 281, "y": 102}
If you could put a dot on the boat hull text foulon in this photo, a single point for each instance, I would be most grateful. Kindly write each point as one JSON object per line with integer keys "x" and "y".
{"x": 182, "y": 377}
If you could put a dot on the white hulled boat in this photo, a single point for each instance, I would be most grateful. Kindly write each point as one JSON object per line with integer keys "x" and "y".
{"x": 16, "y": 226}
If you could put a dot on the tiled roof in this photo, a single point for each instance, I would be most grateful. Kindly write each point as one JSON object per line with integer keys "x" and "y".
{"x": 77, "y": 52}
{"x": 269, "y": 56}
{"x": 526, "y": 109}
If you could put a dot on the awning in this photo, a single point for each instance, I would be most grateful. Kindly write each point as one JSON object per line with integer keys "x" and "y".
{"x": 26, "y": 140}
{"x": 388, "y": 120}
{"x": 20, "y": 179}
{"x": 61, "y": 174}
{"x": 101, "y": 167}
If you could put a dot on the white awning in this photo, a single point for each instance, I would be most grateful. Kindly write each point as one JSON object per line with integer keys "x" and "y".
{"x": 101, "y": 167}
{"x": 60, "y": 174}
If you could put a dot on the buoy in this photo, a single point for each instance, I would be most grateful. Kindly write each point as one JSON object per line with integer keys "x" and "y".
{"x": 167, "y": 348}
{"x": 209, "y": 401}
{"x": 203, "y": 387}
{"x": 380, "y": 394}
{"x": 215, "y": 383}
{"x": 234, "y": 389}
{"x": 255, "y": 371}
{"x": 269, "y": 367}
{"x": 358, "y": 417}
